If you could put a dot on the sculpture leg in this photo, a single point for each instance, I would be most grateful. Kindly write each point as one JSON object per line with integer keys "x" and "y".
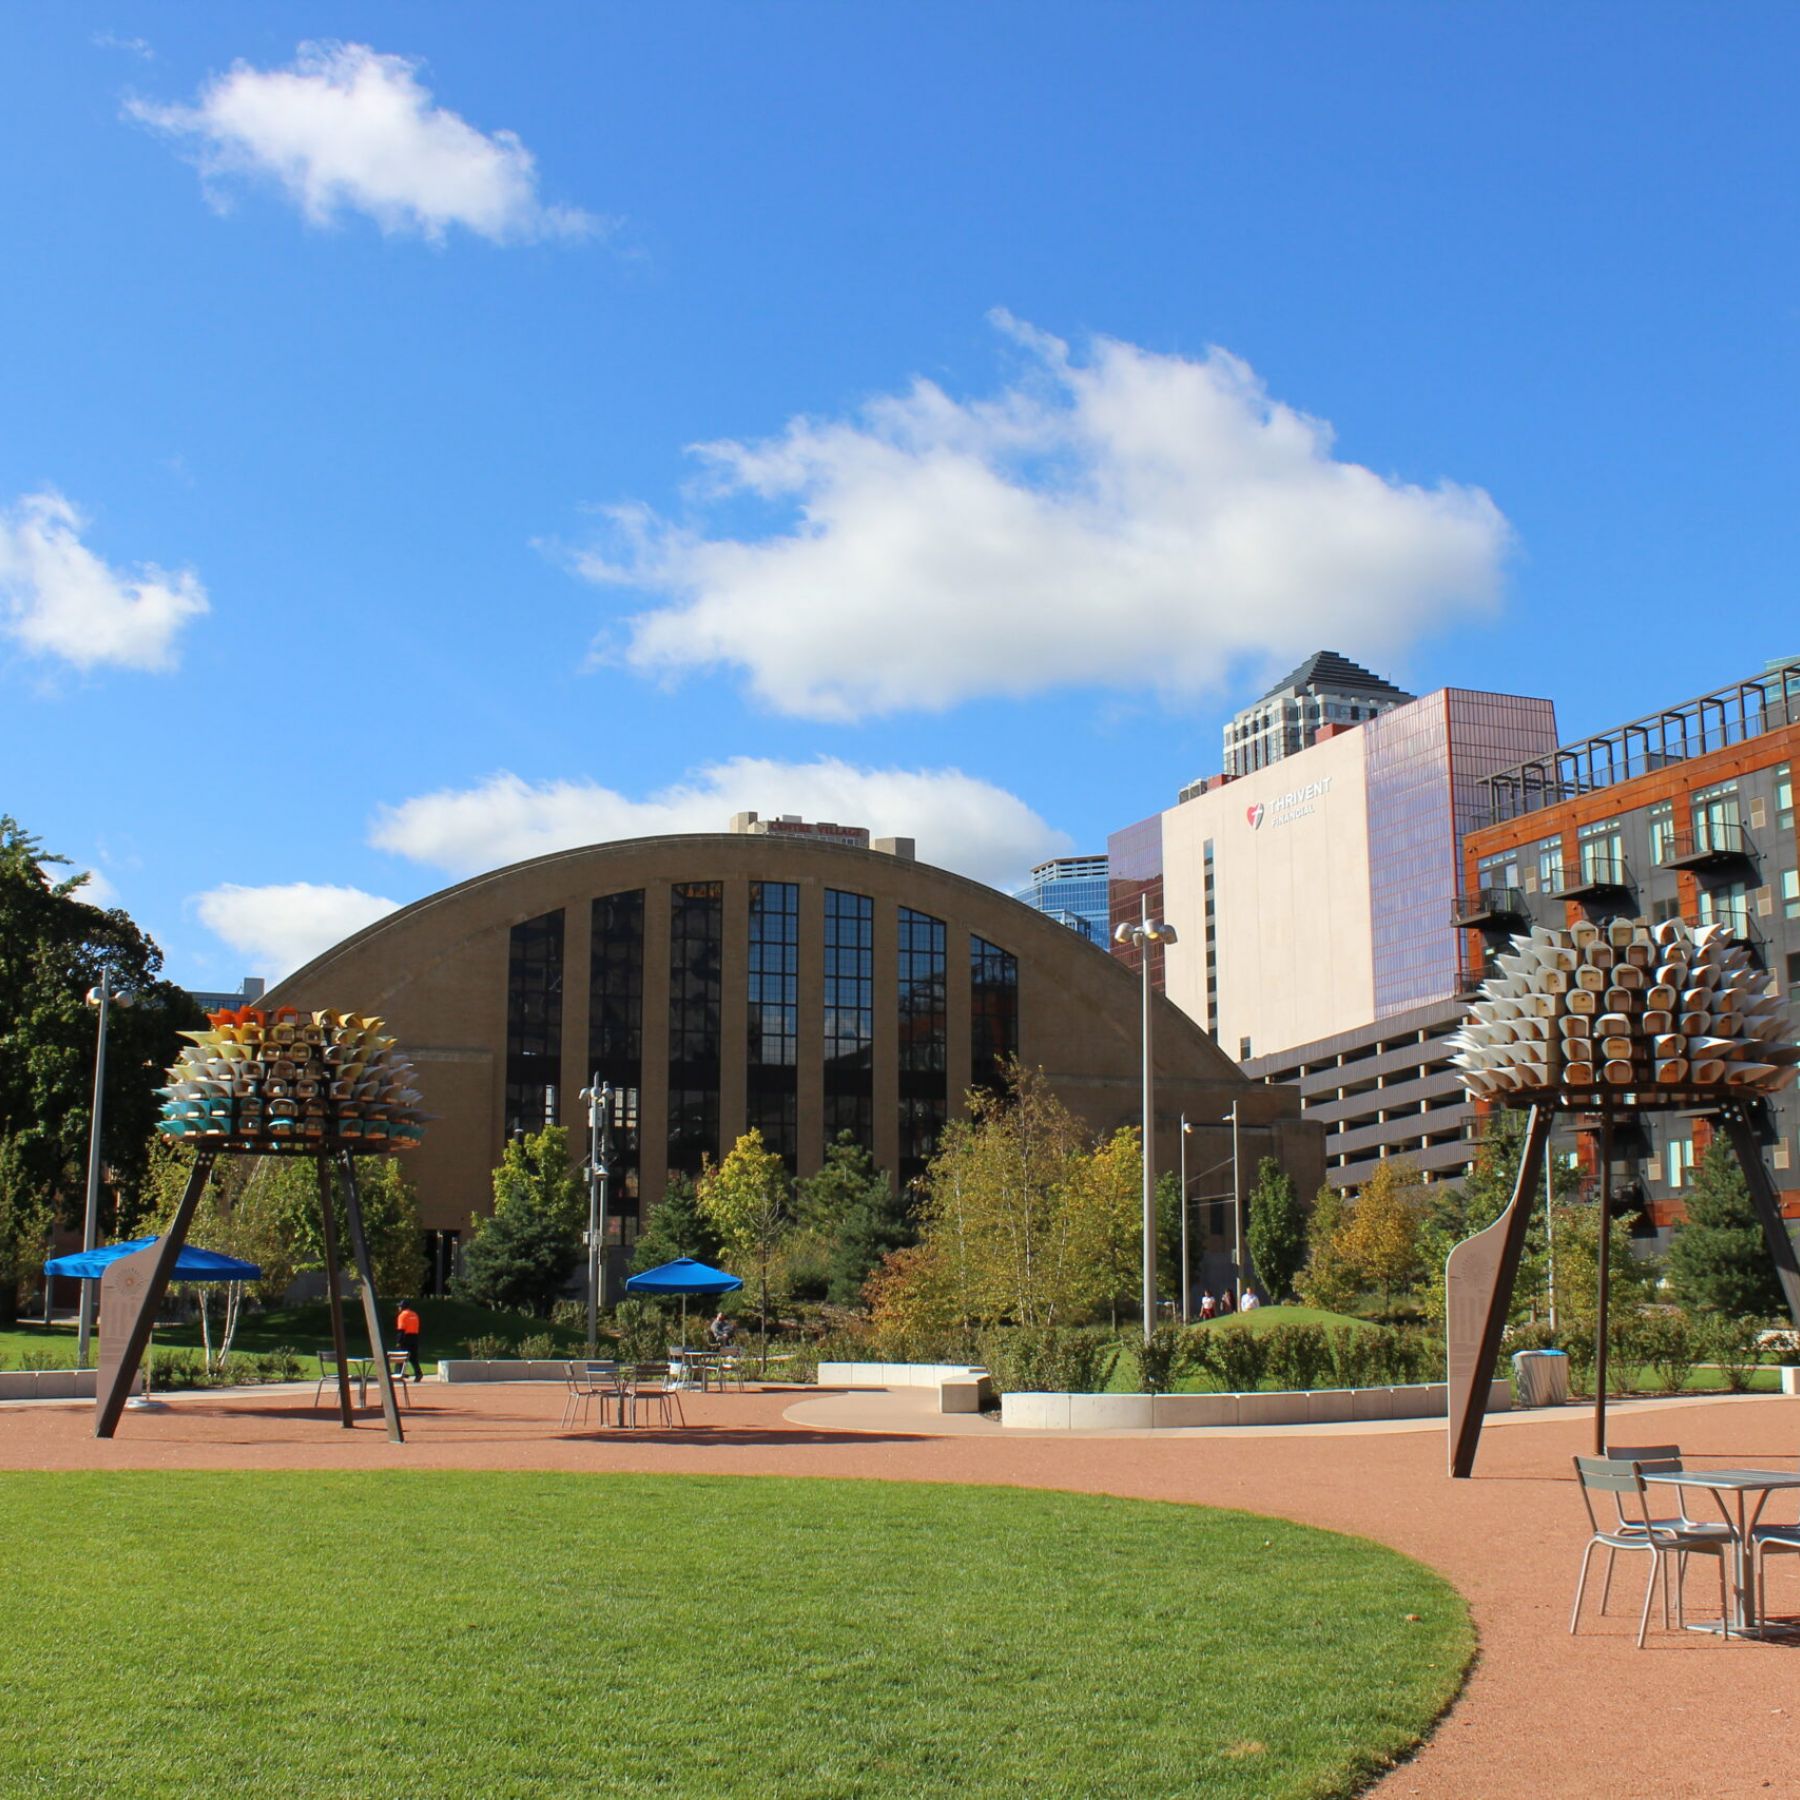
{"x": 335, "y": 1295}
{"x": 359, "y": 1245}
{"x": 1768, "y": 1206}
{"x": 1478, "y": 1286}
{"x": 141, "y": 1287}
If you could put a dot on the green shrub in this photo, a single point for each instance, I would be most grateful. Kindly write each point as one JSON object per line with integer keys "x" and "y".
{"x": 171, "y": 1370}
{"x": 1297, "y": 1356}
{"x": 643, "y": 1329}
{"x": 1410, "y": 1353}
{"x": 1732, "y": 1344}
{"x": 1022, "y": 1360}
{"x": 487, "y": 1348}
{"x": 1238, "y": 1357}
{"x": 570, "y": 1315}
{"x": 1202, "y": 1354}
{"x": 1669, "y": 1347}
{"x": 1160, "y": 1359}
{"x": 46, "y": 1360}
{"x": 1355, "y": 1357}
{"x": 541, "y": 1346}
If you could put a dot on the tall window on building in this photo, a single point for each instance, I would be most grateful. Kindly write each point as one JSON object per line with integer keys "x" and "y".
{"x": 1784, "y": 797}
{"x": 696, "y": 940}
{"x": 1550, "y": 866}
{"x": 774, "y": 1048}
{"x": 616, "y": 1026}
{"x": 993, "y": 1012}
{"x": 924, "y": 1040}
{"x": 1209, "y": 898}
{"x": 849, "y": 1017}
{"x": 534, "y": 966}
{"x": 1602, "y": 852}
{"x": 1718, "y": 824}
{"x": 1661, "y": 820}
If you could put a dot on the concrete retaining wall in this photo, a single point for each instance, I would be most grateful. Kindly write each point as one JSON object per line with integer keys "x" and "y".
{"x": 52, "y": 1384}
{"x": 893, "y": 1375}
{"x": 1163, "y": 1412}
{"x": 510, "y": 1368}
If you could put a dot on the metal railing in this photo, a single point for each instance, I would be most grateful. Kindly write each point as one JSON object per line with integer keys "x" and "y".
{"x": 1481, "y": 906}
{"x": 1716, "y": 841}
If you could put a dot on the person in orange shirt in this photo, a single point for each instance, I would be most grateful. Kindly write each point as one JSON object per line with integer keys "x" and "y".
{"x": 406, "y": 1337}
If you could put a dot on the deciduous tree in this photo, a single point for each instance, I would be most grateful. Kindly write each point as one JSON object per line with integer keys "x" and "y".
{"x": 1381, "y": 1239}
{"x": 749, "y": 1200}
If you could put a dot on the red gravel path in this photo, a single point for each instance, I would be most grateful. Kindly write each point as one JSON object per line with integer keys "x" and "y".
{"x": 1544, "y": 1714}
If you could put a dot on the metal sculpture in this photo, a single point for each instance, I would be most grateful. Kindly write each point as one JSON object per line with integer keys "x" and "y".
{"x": 323, "y": 1085}
{"x": 1610, "y": 1020}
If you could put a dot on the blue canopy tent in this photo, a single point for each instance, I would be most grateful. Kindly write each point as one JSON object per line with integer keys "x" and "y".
{"x": 683, "y": 1276}
{"x": 191, "y": 1264}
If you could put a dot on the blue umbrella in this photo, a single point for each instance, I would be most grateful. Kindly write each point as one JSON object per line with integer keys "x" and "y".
{"x": 192, "y": 1264}
{"x": 683, "y": 1276}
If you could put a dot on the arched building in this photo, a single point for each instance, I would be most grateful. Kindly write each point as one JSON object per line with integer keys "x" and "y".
{"x": 794, "y": 984}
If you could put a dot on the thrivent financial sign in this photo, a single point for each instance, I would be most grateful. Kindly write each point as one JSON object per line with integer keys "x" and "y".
{"x": 1284, "y": 809}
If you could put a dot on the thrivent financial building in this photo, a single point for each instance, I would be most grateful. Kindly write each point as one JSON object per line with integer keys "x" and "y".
{"x": 1315, "y": 899}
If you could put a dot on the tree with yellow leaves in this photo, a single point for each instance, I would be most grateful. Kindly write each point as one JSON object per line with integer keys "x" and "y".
{"x": 1380, "y": 1240}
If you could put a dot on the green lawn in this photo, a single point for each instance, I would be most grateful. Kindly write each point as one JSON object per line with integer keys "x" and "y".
{"x": 529, "y": 1635}
{"x": 447, "y": 1324}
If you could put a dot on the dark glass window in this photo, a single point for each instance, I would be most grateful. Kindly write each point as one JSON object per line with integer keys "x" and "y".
{"x": 534, "y": 966}
{"x": 616, "y": 1025}
{"x": 924, "y": 1040}
{"x": 696, "y": 945}
{"x": 849, "y": 1017}
{"x": 774, "y": 1029}
{"x": 993, "y": 1012}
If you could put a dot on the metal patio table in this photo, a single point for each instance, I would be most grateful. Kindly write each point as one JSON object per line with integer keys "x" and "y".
{"x": 1741, "y": 1484}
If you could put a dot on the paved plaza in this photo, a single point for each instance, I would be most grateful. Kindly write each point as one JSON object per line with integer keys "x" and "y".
{"x": 1543, "y": 1714}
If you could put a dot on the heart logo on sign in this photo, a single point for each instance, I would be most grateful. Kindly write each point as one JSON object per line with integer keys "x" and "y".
{"x": 1254, "y": 814}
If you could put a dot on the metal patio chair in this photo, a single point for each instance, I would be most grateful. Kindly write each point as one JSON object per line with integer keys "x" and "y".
{"x": 654, "y": 1385}
{"x": 1634, "y": 1529}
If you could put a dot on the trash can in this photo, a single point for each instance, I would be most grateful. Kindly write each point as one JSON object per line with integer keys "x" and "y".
{"x": 1541, "y": 1377}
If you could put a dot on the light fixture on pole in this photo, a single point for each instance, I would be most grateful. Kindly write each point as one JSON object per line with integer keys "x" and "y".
{"x": 1187, "y": 1281}
{"x": 1142, "y": 935}
{"x": 103, "y": 999}
{"x": 608, "y": 1106}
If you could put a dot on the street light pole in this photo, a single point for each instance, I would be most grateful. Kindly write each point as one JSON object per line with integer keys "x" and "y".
{"x": 1187, "y": 1282}
{"x": 1146, "y": 932}
{"x": 598, "y": 1095}
{"x": 104, "y": 999}
{"x": 1237, "y": 1213}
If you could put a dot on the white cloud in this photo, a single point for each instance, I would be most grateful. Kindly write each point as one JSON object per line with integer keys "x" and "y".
{"x": 1131, "y": 520}
{"x": 288, "y": 924}
{"x": 139, "y": 47}
{"x": 346, "y": 128}
{"x": 59, "y": 599}
{"x": 960, "y": 822}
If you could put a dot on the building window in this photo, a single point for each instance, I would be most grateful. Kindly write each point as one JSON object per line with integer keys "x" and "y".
{"x": 616, "y": 1024}
{"x": 1784, "y": 797}
{"x": 849, "y": 1017}
{"x": 1790, "y": 893}
{"x": 1602, "y": 853}
{"x": 993, "y": 1012}
{"x": 1661, "y": 819}
{"x": 696, "y": 943}
{"x": 1718, "y": 824}
{"x": 774, "y": 1013}
{"x": 1210, "y": 899}
{"x": 1678, "y": 1161}
{"x": 924, "y": 1040}
{"x": 1550, "y": 866}
{"x": 534, "y": 967}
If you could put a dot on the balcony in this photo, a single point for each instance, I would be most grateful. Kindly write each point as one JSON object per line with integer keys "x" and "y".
{"x": 1490, "y": 909}
{"x": 1597, "y": 878}
{"x": 1742, "y": 928}
{"x": 1719, "y": 845}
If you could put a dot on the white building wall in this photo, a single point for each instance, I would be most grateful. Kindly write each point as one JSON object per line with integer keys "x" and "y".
{"x": 1295, "y": 958}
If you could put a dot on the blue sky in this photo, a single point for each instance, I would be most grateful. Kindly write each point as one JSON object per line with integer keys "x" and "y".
{"x": 1067, "y": 372}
